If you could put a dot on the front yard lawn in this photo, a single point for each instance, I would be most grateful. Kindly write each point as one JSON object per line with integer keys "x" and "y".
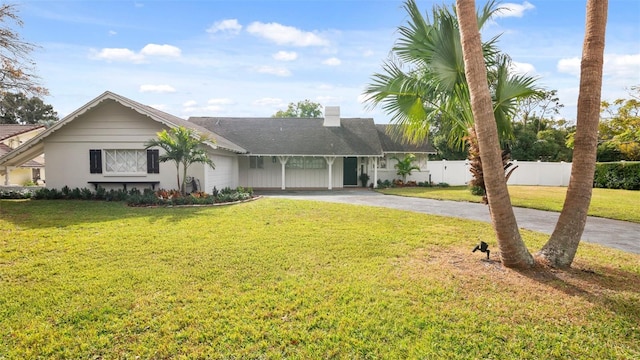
{"x": 278, "y": 278}
{"x": 606, "y": 203}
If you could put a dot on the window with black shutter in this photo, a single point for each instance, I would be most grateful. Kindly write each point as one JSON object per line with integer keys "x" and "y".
{"x": 95, "y": 161}
{"x": 153, "y": 161}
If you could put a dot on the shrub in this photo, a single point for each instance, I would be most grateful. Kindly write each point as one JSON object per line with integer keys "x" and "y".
{"x": 618, "y": 175}
{"x": 443, "y": 185}
{"x": 477, "y": 190}
{"x": 15, "y": 194}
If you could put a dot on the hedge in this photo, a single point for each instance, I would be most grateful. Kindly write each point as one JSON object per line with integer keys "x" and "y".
{"x": 617, "y": 175}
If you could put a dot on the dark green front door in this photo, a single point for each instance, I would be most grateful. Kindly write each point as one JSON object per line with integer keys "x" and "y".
{"x": 350, "y": 171}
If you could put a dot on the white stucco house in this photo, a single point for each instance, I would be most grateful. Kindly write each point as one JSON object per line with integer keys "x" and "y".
{"x": 12, "y": 136}
{"x": 102, "y": 144}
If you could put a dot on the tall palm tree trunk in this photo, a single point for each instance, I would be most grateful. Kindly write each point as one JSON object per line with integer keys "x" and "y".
{"x": 513, "y": 252}
{"x": 561, "y": 248}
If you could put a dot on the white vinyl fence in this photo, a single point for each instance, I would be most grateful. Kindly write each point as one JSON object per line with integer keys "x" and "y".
{"x": 527, "y": 173}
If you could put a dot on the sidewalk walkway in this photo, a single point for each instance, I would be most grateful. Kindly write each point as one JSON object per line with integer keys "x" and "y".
{"x": 611, "y": 233}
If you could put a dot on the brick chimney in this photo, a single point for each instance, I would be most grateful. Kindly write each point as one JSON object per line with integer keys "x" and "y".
{"x": 331, "y": 116}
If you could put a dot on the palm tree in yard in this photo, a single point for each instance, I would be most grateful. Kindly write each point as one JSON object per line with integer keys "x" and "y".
{"x": 405, "y": 166}
{"x": 182, "y": 146}
{"x": 561, "y": 248}
{"x": 513, "y": 251}
{"x": 424, "y": 84}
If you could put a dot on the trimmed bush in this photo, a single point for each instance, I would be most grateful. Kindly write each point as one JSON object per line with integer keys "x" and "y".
{"x": 618, "y": 175}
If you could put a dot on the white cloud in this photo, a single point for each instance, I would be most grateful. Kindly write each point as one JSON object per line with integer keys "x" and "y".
{"x": 220, "y": 101}
{"x": 230, "y": 26}
{"x": 513, "y": 9}
{"x": 215, "y": 108}
{"x": 285, "y": 55}
{"x": 160, "y": 50}
{"x": 332, "y": 61}
{"x": 127, "y": 55}
{"x": 327, "y": 100}
{"x": 156, "y": 88}
{"x": 117, "y": 54}
{"x": 368, "y": 53}
{"x": 278, "y": 71}
{"x": 622, "y": 66}
{"x": 286, "y": 35}
{"x": 112, "y": 33}
{"x": 523, "y": 68}
{"x": 268, "y": 102}
{"x": 190, "y": 103}
{"x": 569, "y": 66}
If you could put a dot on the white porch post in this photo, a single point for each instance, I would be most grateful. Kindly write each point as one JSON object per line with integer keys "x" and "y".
{"x": 283, "y": 163}
{"x": 6, "y": 175}
{"x": 330, "y": 160}
{"x": 375, "y": 172}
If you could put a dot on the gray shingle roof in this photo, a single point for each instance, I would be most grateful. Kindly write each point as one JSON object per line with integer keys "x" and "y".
{"x": 297, "y": 136}
{"x": 176, "y": 121}
{"x": 393, "y": 144}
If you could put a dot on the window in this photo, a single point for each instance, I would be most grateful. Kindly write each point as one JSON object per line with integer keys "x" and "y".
{"x": 382, "y": 163}
{"x": 256, "y": 162}
{"x": 95, "y": 161}
{"x": 309, "y": 162}
{"x": 315, "y": 163}
{"x": 295, "y": 162}
{"x": 125, "y": 161}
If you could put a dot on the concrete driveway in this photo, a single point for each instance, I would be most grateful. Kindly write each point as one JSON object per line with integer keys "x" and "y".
{"x": 611, "y": 233}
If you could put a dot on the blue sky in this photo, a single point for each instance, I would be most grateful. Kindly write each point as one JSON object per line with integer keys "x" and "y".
{"x": 253, "y": 57}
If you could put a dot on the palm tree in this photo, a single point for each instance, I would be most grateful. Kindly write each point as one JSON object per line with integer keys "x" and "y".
{"x": 513, "y": 251}
{"x": 405, "y": 166}
{"x": 183, "y": 146}
{"x": 561, "y": 248}
{"x": 424, "y": 83}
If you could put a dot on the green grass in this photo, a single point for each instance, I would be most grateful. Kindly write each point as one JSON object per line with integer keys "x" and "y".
{"x": 278, "y": 278}
{"x": 606, "y": 203}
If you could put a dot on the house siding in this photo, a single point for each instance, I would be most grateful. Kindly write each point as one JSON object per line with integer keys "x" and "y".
{"x": 107, "y": 126}
{"x": 270, "y": 177}
{"x": 224, "y": 175}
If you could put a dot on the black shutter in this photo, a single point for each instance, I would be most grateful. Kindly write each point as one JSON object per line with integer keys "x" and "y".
{"x": 95, "y": 161}
{"x": 153, "y": 161}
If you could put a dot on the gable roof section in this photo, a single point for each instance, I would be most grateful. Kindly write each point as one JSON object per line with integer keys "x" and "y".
{"x": 297, "y": 136}
{"x": 392, "y": 143}
{"x": 11, "y": 130}
{"x": 35, "y": 146}
{"x": 4, "y": 149}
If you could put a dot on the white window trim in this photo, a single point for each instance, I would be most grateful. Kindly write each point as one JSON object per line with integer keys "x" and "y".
{"x": 140, "y": 173}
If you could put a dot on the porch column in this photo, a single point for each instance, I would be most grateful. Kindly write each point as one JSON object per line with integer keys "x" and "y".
{"x": 6, "y": 175}
{"x": 375, "y": 172}
{"x": 330, "y": 160}
{"x": 283, "y": 163}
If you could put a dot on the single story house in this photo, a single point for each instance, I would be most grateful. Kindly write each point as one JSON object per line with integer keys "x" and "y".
{"x": 102, "y": 144}
{"x": 12, "y": 136}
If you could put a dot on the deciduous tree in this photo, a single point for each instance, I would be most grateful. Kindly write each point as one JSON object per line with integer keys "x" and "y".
{"x": 301, "y": 109}
{"x": 16, "y": 67}
{"x": 17, "y": 108}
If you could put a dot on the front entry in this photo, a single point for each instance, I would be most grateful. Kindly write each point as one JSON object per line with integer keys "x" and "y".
{"x": 350, "y": 171}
